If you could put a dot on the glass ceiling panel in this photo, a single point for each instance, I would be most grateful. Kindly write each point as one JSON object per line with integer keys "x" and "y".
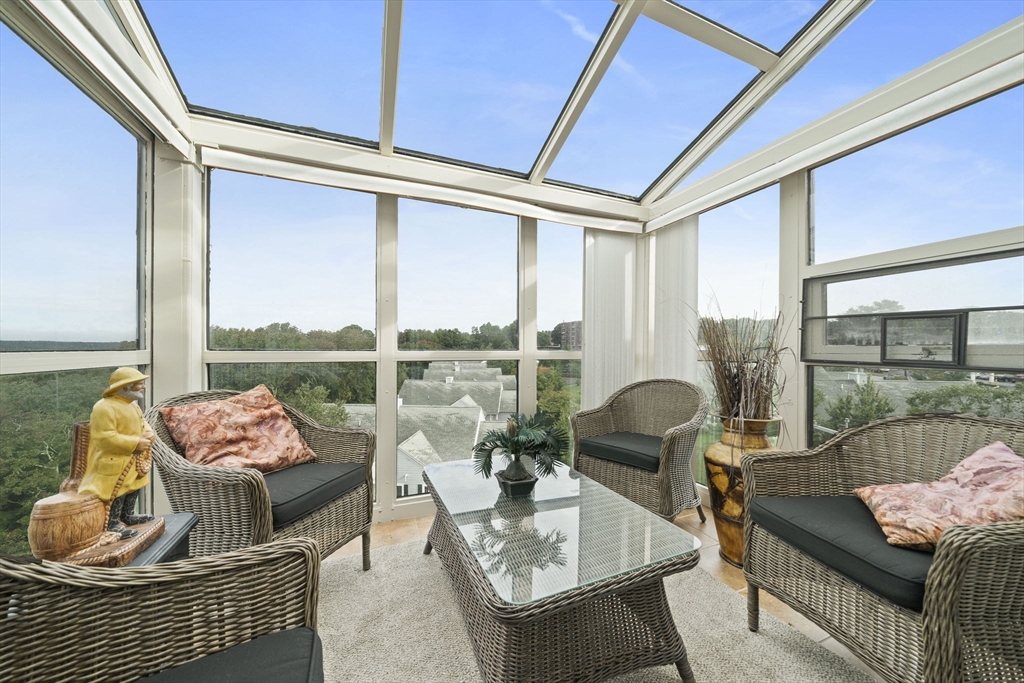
{"x": 484, "y": 81}
{"x": 661, "y": 91}
{"x": 889, "y": 40}
{"x": 769, "y": 22}
{"x": 314, "y": 64}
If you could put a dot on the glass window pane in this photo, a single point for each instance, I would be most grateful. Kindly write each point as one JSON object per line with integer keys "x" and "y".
{"x": 37, "y": 414}
{"x": 888, "y": 40}
{"x": 333, "y": 394}
{"x": 484, "y": 81}
{"x": 739, "y": 257}
{"x": 302, "y": 62}
{"x": 559, "y": 286}
{"x": 458, "y": 274}
{"x": 960, "y": 175}
{"x": 661, "y": 91}
{"x": 292, "y": 265}
{"x": 846, "y": 397}
{"x": 772, "y": 23}
{"x": 558, "y": 391}
{"x": 985, "y": 284}
{"x": 445, "y": 408}
{"x": 69, "y": 269}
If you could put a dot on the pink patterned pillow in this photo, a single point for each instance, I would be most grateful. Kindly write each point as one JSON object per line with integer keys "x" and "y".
{"x": 988, "y": 486}
{"x": 250, "y": 429}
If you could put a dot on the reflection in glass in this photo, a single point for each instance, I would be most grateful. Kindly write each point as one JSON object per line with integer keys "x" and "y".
{"x": 69, "y": 266}
{"x": 458, "y": 274}
{"x": 559, "y": 287}
{"x": 569, "y": 532}
{"x": 927, "y": 340}
{"x": 854, "y": 331}
{"x": 995, "y": 339}
{"x": 333, "y": 394}
{"x": 37, "y": 413}
{"x": 985, "y": 284}
{"x": 953, "y": 177}
{"x": 445, "y": 408}
{"x": 292, "y": 265}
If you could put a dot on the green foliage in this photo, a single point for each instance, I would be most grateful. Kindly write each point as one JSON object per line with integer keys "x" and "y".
{"x": 485, "y": 337}
{"x": 969, "y": 398}
{"x": 344, "y": 382}
{"x": 535, "y": 437}
{"x": 939, "y": 375}
{"x": 313, "y": 401}
{"x": 863, "y": 404}
{"x": 37, "y": 413}
{"x": 286, "y": 336}
{"x": 883, "y": 306}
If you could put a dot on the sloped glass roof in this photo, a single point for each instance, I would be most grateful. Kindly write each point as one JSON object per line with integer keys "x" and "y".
{"x": 875, "y": 49}
{"x": 551, "y": 90}
{"x": 484, "y": 81}
{"x": 303, "y": 62}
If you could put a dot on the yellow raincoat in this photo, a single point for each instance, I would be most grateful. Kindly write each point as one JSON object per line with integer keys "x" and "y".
{"x": 114, "y": 430}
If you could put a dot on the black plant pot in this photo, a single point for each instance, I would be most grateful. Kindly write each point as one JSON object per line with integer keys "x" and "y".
{"x": 521, "y": 487}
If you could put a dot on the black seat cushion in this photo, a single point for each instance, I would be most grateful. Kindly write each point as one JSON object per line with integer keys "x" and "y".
{"x": 292, "y": 656}
{"x": 637, "y": 450}
{"x": 841, "y": 532}
{"x": 301, "y": 489}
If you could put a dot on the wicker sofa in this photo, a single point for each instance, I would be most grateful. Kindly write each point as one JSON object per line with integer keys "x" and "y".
{"x": 249, "y": 615}
{"x": 957, "y": 615}
{"x": 640, "y": 441}
{"x": 237, "y": 508}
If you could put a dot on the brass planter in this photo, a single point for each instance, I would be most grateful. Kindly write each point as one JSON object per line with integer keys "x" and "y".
{"x": 725, "y": 481}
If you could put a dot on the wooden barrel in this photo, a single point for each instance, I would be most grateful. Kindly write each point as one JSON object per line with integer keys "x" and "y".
{"x": 65, "y": 523}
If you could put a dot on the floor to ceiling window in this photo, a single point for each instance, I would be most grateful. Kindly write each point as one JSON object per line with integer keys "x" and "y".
{"x": 72, "y": 252}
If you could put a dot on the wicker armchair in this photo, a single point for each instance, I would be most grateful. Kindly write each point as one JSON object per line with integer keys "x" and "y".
{"x": 971, "y": 623}
{"x": 669, "y": 409}
{"x": 234, "y": 505}
{"x": 62, "y": 622}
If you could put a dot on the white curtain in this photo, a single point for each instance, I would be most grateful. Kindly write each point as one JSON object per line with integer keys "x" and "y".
{"x": 609, "y": 276}
{"x": 675, "y": 301}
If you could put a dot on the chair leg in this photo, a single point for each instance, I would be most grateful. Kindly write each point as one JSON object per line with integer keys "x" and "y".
{"x": 366, "y": 551}
{"x": 753, "y": 609}
{"x": 700, "y": 513}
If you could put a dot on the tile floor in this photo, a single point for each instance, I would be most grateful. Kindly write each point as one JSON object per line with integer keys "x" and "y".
{"x": 415, "y": 529}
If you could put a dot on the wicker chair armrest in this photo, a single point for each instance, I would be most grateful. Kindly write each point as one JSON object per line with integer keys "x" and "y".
{"x": 189, "y": 609}
{"x": 336, "y": 444}
{"x": 587, "y": 423}
{"x": 686, "y": 431}
{"x": 793, "y": 473}
{"x": 974, "y": 602}
{"x": 232, "y": 504}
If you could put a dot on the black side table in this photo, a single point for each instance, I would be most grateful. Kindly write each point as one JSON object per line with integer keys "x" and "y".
{"x": 172, "y": 545}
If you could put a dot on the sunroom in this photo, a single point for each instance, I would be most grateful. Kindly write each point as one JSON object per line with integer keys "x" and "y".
{"x": 421, "y": 218}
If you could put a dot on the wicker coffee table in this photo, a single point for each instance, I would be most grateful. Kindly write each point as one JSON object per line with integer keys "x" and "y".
{"x": 563, "y": 585}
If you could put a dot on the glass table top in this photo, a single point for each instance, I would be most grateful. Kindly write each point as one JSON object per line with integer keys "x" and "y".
{"x": 570, "y": 532}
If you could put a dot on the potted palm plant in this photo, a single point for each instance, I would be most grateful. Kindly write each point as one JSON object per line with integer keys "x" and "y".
{"x": 533, "y": 437}
{"x": 743, "y": 357}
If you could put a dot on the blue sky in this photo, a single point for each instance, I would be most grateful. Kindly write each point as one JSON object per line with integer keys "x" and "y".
{"x": 481, "y": 81}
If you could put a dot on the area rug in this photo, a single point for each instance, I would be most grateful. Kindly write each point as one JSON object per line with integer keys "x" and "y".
{"x": 400, "y": 622}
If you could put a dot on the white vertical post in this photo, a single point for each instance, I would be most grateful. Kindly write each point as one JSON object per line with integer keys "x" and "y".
{"x": 527, "y": 383}
{"x": 387, "y": 367}
{"x": 643, "y": 316}
{"x": 794, "y": 237}
{"x": 179, "y": 305}
{"x": 676, "y": 303}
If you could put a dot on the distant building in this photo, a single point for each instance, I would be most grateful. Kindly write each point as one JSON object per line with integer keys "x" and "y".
{"x": 569, "y": 335}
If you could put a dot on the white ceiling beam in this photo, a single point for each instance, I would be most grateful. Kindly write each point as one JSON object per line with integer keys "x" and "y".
{"x": 708, "y": 32}
{"x": 604, "y": 53}
{"x": 825, "y": 27}
{"x": 138, "y": 28}
{"x": 147, "y": 106}
{"x": 258, "y": 140}
{"x": 392, "y": 41}
{"x": 987, "y": 65}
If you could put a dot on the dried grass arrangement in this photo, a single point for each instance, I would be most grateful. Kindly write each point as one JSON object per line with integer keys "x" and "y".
{"x": 744, "y": 355}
